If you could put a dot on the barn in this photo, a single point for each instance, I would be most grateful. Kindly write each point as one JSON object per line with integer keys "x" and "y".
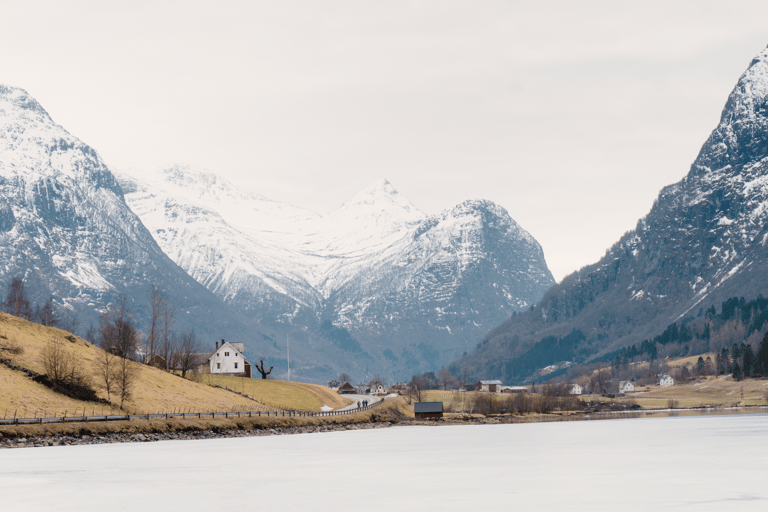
{"x": 428, "y": 410}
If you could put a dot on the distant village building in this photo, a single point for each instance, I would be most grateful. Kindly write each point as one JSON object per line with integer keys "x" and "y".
{"x": 346, "y": 389}
{"x": 399, "y": 386}
{"x": 666, "y": 381}
{"x": 514, "y": 389}
{"x": 575, "y": 390}
{"x": 490, "y": 386}
{"x": 158, "y": 361}
{"x": 363, "y": 389}
{"x": 428, "y": 410}
{"x": 378, "y": 390}
{"x": 626, "y": 386}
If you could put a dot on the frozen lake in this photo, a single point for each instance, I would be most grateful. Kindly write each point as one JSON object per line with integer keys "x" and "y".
{"x": 683, "y": 463}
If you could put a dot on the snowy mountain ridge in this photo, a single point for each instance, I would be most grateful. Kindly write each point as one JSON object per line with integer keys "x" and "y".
{"x": 703, "y": 242}
{"x": 67, "y": 231}
{"x": 372, "y": 267}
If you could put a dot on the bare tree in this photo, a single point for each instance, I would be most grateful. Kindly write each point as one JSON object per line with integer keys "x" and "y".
{"x": 119, "y": 336}
{"x": 447, "y": 380}
{"x": 125, "y": 375}
{"x": 417, "y": 386}
{"x": 55, "y": 361}
{"x": 263, "y": 372}
{"x": 47, "y": 314}
{"x": 152, "y": 341}
{"x": 186, "y": 352}
{"x": 166, "y": 339}
{"x": 106, "y": 361}
{"x": 16, "y": 303}
{"x": 61, "y": 366}
{"x": 344, "y": 377}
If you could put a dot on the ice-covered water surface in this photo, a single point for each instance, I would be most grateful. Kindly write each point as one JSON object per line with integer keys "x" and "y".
{"x": 684, "y": 463}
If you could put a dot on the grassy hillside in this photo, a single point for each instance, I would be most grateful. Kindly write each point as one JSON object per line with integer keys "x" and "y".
{"x": 24, "y": 343}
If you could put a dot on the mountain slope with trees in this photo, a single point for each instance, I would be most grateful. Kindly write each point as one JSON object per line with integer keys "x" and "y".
{"x": 703, "y": 242}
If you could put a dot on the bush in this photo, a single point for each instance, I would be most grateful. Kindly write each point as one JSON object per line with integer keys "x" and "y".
{"x": 63, "y": 374}
{"x": 11, "y": 346}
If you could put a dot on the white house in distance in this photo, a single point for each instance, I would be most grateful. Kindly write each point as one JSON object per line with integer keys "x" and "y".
{"x": 575, "y": 389}
{"x": 493, "y": 386}
{"x": 228, "y": 359}
{"x": 626, "y": 386}
{"x": 667, "y": 381}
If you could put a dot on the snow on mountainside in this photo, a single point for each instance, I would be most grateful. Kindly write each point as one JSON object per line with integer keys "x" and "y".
{"x": 703, "y": 242}
{"x": 396, "y": 290}
{"x": 65, "y": 228}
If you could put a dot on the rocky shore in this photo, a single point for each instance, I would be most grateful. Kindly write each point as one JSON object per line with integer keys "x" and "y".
{"x": 33, "y": 441}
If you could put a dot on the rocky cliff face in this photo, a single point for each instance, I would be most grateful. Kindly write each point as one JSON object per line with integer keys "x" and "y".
{"x": 379, "y": 284}
{"x": 703, "y": 241}
{"x": 65, "y": 228}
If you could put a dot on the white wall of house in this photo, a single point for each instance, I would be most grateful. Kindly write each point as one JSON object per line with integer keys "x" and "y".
{"x": 667, "y": 380}
{"x": 626, "y": 387}
{"x": 227, "y": 359}
{"x": 575, "y": 389}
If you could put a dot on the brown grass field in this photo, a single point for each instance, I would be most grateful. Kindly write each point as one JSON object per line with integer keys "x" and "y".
{"x": 720, "y": 391}
{"x": 155, "y": 391}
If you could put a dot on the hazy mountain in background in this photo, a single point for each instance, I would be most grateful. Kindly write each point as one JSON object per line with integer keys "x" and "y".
{"x": 66, "y": 230}
{"x": 703, "y": 241}
{"x": 380, "y": 285}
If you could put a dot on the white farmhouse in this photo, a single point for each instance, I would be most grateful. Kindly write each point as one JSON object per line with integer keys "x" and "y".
{"x": 626, "y": 386}
{"x": 228, "y": 359}
{"x": 667, "y": 381}
{"x": 575, "y": 390}
{"x": 493, "y": 386}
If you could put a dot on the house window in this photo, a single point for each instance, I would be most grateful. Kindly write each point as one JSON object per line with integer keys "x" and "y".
{"x": 226, "y": 354}
{"x": 235, "y": 366}
{"x": 218, "y": 366}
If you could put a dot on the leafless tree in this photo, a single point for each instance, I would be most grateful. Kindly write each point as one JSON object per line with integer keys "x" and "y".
{"x": 47, "y": 314}
{"x": 186, "y": 352}
{"x": 417, "y": 386}
{"x": 119, "y": 336}
{"x": 61, "y": 366}
{"x": 16, "y": 303}
{"x": 447, "y": 380}
{"x": 151, "y": 342}
{"x": 261, "y": 370}
{"x": 106, "y": 361}
{"x": 344, "y": 377}
{"x": 125, "y": 375}
{"x": 56, "y": 362}
{"x": 166, "y": 339}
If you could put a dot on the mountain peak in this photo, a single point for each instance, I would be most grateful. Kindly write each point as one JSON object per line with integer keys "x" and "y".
{"x": 741, "y": 136}
{"x": 375, "y": 199}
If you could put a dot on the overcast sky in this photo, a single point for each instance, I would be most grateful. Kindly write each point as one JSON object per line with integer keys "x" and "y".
{"x": 571, "y": 115}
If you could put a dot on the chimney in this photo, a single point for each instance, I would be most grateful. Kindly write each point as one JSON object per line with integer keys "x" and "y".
{"x": 217, "y": 345}
{"x": 222, "y": 343}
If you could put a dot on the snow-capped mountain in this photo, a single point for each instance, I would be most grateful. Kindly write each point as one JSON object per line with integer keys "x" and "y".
{"x": 392, "y": 289}
{"x": 704, "y": 241}
{"x": 65, "y": 229}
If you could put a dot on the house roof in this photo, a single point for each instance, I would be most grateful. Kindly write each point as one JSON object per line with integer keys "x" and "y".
{"x": 347, "y": 385}
{"x": 428, "y": 407}
{"x": 232, "y": 346}
{"x": 490, "y": 382}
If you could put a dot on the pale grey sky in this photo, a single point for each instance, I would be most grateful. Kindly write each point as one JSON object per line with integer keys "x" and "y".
{"x": 571, "y": 115}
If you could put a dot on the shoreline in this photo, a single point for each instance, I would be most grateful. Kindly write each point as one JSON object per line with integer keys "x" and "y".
{"x": 151, "y": 431}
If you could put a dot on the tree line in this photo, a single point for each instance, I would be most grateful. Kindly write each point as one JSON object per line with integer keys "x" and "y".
{"x": 735, "y": 334}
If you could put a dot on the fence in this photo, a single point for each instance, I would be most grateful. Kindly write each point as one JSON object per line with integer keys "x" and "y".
{"x": 183, "y": 415}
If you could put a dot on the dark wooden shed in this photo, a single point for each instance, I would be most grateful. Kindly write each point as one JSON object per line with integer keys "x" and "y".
{"x": 428, "y": 410}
